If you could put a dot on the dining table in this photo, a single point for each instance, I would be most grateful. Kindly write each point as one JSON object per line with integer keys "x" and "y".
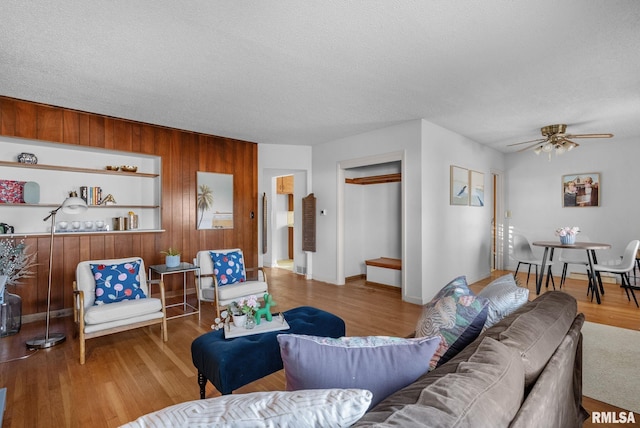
{"x": 589, "y": 247}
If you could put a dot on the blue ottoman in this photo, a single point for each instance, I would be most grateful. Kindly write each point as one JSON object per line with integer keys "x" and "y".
{"x": 231, "y": 363}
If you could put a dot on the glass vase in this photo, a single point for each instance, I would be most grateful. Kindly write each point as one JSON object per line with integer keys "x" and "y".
{"x": 10, "y": 314}
{"x": 251, "y": 322}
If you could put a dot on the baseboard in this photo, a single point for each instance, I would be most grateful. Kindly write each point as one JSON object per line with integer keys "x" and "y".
{"x": 41, "y": 316}
{"x": 606, "y": 278}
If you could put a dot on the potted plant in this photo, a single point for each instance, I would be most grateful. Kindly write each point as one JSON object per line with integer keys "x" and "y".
{"x": 172, "y": 257}
{"x": 15, "y": 265}
{"x": 244, "y": 311}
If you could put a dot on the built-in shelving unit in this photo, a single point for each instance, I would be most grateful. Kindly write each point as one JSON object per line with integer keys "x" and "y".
{"x": 64, "y": 168}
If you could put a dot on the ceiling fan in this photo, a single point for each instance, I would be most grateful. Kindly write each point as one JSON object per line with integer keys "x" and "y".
{"x": 556, "y": 139}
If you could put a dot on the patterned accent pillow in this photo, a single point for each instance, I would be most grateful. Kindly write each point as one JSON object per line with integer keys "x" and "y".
{"x": 504, "y": 297}
{"x": 312, "y": 362}
{"x": 302, "y": 409}
{"x": 228, "y": 267}
{"x": 115, "y": 283}
{"x": 456, "y": 315}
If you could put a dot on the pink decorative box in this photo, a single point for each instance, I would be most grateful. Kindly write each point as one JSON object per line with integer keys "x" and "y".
{"x": 11, "y": 192}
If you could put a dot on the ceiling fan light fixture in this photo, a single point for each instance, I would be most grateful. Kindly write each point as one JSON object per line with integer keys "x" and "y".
{"x": 555, "y": 139}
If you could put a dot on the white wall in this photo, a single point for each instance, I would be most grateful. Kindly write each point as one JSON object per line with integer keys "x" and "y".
{"x": 440, "y": 241}
{"x": 534, "y": 192}
{"x": 455, "y": 239}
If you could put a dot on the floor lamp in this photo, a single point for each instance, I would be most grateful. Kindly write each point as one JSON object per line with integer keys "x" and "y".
{"x": 71, "y": 205}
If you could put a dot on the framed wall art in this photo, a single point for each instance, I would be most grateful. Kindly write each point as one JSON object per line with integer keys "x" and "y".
{"x": 476, "y": 181}
{"x": 214, "y": 201}
{"x": 459, "y": 186}
{"x": 581, "y": 190}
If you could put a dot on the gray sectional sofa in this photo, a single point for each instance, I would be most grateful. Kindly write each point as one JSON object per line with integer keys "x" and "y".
{"x": 524, "y": 371}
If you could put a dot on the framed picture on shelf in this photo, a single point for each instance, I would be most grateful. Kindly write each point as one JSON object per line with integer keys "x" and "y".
{"x": 476, "y": 180}
{"x": 581, "y": 190}
{"x": 459, "y": 186}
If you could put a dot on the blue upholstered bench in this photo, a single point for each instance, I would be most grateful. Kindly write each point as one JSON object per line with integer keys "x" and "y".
{"x": 231, "y": 363}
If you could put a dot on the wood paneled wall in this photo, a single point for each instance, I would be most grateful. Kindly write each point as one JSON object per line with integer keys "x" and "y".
{"x": 183, "y": 154}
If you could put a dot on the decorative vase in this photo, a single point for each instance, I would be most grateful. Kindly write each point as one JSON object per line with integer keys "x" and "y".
{"x": 10, "y": 314}
{"x": 239, "y": 320}
{"x": 568, "y": 239}
{"x": 172, "y": 261}
{"x": 27, "y": 158}
{"x": 251, "y": 322}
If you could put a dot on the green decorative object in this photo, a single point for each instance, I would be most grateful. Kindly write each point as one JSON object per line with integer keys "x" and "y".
{"x": 266, "y": 310}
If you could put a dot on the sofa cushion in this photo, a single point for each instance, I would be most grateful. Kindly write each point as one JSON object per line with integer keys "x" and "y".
{"x": 456, "y": 315}
{"x": 504, "y": 297}
{"x": 379, "y": 364}
{"x": 117, "y": 282}
{"x": 536, "y": 330}
{"x": 313, "y": 408}
{"x": 555, "y": 399}
{"x": 484, "y": 391}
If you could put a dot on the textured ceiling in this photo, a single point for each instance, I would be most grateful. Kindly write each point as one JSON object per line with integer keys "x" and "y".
{"x": 308, "y": 72}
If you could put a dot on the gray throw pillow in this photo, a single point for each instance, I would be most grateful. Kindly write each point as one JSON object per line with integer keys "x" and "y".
{"x": 504, "y": 297}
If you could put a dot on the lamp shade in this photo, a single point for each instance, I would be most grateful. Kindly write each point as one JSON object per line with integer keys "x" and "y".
{"x": 74, "y": 205}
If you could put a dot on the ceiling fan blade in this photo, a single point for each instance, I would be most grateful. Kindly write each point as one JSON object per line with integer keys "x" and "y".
{"x": 588, "y": 136}
{"x": 538, "y": 143}
{"x": 538, "y": 140}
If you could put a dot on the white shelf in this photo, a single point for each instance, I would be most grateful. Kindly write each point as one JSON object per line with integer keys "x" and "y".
{"x": 63, "y": 168}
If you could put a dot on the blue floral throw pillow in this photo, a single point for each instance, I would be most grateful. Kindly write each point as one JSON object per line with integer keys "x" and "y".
{"x": 115, "y": 283}
{"x": 228, "y": 267}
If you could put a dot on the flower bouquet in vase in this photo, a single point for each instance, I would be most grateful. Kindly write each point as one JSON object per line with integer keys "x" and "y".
{"x": 567, "y": 234}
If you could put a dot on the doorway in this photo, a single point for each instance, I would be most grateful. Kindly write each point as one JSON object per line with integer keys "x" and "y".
{"x": 284, "y": 227}
{"x": 497, "y": 222}
{"x": 396, "y": 158}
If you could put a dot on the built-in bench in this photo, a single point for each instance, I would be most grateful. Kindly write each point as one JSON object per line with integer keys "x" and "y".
{"x": 384, "y": 270}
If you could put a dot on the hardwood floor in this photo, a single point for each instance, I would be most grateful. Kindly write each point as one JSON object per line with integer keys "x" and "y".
{"x": 133, "y": 373}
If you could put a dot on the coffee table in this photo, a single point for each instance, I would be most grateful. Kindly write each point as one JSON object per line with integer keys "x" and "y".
{"x": 231, "y": 363}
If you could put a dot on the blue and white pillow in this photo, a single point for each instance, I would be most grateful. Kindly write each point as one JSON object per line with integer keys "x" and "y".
{"x": 115, "y": 283}
{"x": 228, "y": 267}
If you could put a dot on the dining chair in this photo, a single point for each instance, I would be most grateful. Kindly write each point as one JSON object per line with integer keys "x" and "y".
{"x": 568, "y": 257}
{"x": 623, "y": 267}
{"x": 523, "y": 254}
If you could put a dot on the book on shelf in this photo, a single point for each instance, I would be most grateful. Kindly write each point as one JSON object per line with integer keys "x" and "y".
{"x": 91, "y": 195}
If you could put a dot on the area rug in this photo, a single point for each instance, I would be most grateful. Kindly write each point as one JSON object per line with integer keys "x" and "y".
{"x": 611, "y": 364}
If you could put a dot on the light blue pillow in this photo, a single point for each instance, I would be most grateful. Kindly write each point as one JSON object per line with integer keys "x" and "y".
{"x": 504, "y": 297}
{"x": 118, "y": 282}
{"x": 228, "y": 267}
{"x": 380, "y": 364}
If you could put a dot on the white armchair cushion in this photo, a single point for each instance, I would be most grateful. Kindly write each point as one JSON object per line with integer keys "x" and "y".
{"x": 232, "y": 292}
{"x": 123, "y": 310}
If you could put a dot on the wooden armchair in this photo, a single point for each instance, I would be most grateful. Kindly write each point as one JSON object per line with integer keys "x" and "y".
{"x": 113, "y": 296}
{"x": 228, "y": 283}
